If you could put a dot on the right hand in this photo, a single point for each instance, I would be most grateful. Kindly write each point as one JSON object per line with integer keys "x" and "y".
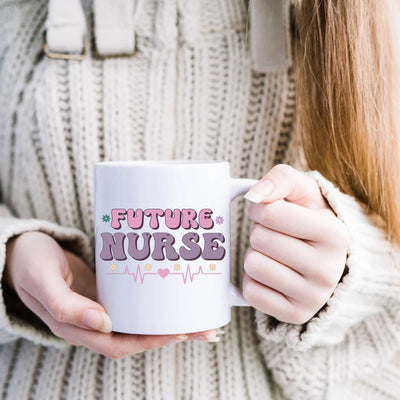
{"x": 61, "y": 290}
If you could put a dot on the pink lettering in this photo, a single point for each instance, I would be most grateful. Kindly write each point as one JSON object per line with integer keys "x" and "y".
{"x": 117, "y": 214}
{"x": 154, "y": 213}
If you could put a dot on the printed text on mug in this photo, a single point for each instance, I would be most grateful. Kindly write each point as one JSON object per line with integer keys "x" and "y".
{"x": 162, "y": 245}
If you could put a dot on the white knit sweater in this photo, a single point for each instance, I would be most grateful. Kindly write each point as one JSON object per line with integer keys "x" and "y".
{"x": 188, "y": 93}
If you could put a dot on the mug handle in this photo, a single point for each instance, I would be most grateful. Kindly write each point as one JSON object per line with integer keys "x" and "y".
{"x": 238, "y": 186}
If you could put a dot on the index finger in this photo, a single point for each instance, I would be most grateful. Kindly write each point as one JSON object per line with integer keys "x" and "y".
{"x": 114, "y": 345}
{"x": 119, "y": 345}
{"x": 285, "y": 182}
{"x": 293, "y": 220}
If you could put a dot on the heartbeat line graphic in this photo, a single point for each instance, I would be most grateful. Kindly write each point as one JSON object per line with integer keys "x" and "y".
{"x": 163, "y": 273}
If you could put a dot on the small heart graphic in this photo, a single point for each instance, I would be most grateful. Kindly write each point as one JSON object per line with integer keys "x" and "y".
{"x": 163, "y": 272}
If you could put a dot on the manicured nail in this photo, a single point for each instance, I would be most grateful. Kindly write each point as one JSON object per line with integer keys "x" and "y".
{"x": 212, "y": 338}
{"x": 97, "y": 320}
{"x": 209, "y": 337}
{"x": 176, "y": 339}
{"x": 259, "y": 191}
{"x": 219, "y": 331}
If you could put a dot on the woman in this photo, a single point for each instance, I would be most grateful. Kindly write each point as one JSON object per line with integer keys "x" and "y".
{"x": 191, "y": 92}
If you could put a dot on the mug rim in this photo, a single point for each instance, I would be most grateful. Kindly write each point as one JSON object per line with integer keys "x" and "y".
{"x": 158, "y": 163}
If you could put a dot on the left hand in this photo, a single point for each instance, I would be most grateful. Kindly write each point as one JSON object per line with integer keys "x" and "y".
{"x": 298, "y": 247}
{"x": 61, "y": 290}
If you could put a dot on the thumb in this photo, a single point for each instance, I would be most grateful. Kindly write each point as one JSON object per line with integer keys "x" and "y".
{"x": 285, "y": 182}
{"x": 65, "y": 305}
{"x": 83, "y": 279}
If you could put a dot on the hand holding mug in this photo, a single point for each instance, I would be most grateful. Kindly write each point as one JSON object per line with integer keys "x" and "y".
{"x": 297, "y": 247}
{"x": 61, "y": 289}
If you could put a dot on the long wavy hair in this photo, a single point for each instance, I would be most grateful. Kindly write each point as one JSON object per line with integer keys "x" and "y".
{"x": 347, "y": 99}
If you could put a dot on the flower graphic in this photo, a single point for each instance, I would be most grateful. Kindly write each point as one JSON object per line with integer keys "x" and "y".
{"x": 113, "y": 267}
{"x": 177, "y": 267}
{"x": 213, "y": 267}
{"x": 219, "y": 220}
{"x": 106, "y": 218}
{"x": 147, "y": 267}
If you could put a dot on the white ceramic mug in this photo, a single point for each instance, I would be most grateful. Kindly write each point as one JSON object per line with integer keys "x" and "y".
{"x": 163, "y": 244}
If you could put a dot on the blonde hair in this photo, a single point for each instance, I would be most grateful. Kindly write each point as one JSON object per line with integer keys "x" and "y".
{"x": 347, "y": 114}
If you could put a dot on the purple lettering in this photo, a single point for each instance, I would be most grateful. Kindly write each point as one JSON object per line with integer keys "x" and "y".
{"x": 193, "y": 251}
{"x": 163, "y": 241}
{"x": 113, "y": 248}
{"x": 212, "y": 250}
{"x": 133, "y": 250}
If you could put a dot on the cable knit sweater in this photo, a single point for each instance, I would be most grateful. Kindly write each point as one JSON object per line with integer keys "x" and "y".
{"x": 188, "y": 93}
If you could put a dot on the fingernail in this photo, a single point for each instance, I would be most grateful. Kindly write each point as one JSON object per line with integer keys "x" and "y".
{"x": 176, "y": 339}
{"x": 219, "y": 331}
{"x": 97, "y": 320}
{"x": 209, "y": 337}
{"x": 259, "y": 191}
{"x": 107, "y": 327}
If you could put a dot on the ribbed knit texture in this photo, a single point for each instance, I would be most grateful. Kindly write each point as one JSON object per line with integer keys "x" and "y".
{"x": 188, "y": 93}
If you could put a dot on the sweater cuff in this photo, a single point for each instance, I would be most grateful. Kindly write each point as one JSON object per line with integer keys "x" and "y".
{"x": 361, "y": 291}
{"x": 12, "y": 325}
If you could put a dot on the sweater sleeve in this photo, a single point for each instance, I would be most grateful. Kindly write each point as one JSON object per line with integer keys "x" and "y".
{"x": 16, "y": 321}
{"x": 358, "y": 331}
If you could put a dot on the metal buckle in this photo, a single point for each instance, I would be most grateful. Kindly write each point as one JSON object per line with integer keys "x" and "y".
{"x": 64, "y": 56}
{"x": 98, "y": 56}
